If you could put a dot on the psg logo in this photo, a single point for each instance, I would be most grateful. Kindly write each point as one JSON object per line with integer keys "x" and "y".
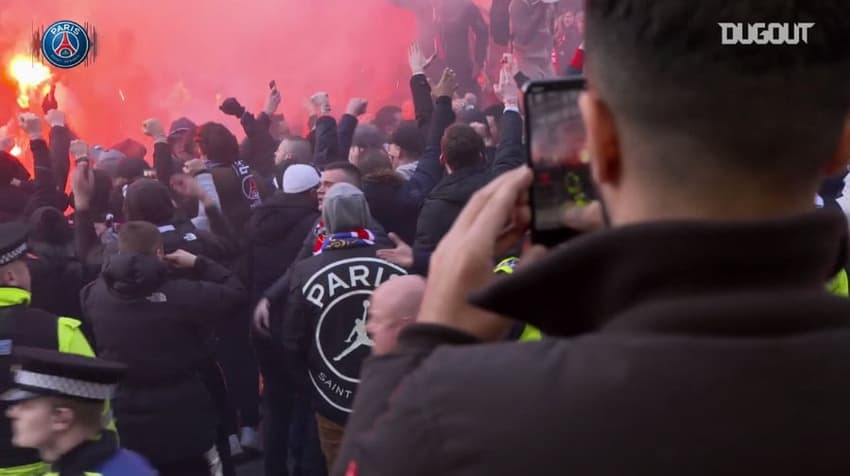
{"x": 65, "y": 44}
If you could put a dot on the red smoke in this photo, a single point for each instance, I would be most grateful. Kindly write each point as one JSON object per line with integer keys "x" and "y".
{"x": 172, "y": 58}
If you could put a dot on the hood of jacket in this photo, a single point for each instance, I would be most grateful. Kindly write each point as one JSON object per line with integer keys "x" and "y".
{"x": 277, "y": 215}
{"x": 134, "y": 275}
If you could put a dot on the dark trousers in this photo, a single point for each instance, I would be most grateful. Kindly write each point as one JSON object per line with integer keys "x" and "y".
{"x": 278, "y": 399}
{"x": 240, "y": 368}
{"x": 307, "y": 456}
{"x": 214, "y": 380}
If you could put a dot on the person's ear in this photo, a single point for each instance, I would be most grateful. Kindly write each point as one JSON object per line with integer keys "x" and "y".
{"x": 62, "y": 419}
{"x": 160, "y": 252}
{"x": 602, "y": 140}
{"x": 7, "y": 278}
{"x": 839, "y": 161}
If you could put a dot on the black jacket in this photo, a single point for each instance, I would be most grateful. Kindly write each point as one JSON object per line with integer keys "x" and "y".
{"x": 676, "y": 348}
{"x": 56, "y": 284}
{"x": 445, "y": 203}
{"x": 448, "y": 198}
{"x": 275, "y": 236}
{"x": 328, "y": 304}
{"x": 389, "y": 205}
{"x": 158, "y": 327}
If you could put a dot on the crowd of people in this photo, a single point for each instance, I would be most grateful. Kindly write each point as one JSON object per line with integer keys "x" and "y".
{"x": 364, "y": 299}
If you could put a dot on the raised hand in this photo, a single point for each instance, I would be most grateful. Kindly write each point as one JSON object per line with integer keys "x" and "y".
{"x": 506, "y": 88}
{"x": 357, "y": 107}
{"x": 272, "y": 101}
{"x": 153, "y": 128}
{"x": 55, "y": 118}
{"x": 417, "y": 60}
{"x": 447, "y": 85}
{"x": 31, "y": 124}
{"x": 82, "y": 184}
{"x": 79, "y": 150}
{"x": 321, "y": 103}
{"x": 231, "y": 107}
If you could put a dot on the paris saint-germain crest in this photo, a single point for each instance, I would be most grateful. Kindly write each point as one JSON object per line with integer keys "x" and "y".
{"x": 65, "y": 44}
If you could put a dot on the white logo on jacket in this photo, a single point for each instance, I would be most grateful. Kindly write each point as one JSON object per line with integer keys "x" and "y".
{"x": 341, "y": 292}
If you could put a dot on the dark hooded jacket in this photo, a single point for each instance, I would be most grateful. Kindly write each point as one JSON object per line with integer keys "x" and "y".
{"x": 158, "y": 326}
{"x": 275, "y": 236}
{"x": 324, "y": 332}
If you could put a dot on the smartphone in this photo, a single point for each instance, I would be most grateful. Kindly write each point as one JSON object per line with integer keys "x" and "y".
{"x": 558, "y": 156}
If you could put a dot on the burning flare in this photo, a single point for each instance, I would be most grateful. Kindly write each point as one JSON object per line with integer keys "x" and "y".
{"x": 30, "y": 74}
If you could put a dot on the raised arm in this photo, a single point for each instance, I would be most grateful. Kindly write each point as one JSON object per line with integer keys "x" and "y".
{"x": 163, "y": 163}
{"x": 60, "y": 145}
{"x": 423, "y": 103}
{"x": 510, "y": 153}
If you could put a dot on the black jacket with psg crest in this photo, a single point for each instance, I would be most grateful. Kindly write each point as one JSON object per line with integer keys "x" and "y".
{"x": 324, "y": 326}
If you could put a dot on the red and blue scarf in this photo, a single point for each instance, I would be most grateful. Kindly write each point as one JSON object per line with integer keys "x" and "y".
{"x": 357, "y": 238}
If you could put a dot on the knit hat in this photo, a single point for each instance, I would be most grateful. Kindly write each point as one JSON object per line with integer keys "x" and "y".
{"x": 48, "y": 225}
{"x": 149, "y": 200}
{"x": 300, "y": 178}
{"x": 345, "y": 208}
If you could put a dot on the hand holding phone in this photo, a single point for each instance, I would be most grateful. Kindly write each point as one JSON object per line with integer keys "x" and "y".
{"x": 558, "y": 156}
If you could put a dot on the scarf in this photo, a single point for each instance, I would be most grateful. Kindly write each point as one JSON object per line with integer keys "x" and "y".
{"x": 347, "y": 239}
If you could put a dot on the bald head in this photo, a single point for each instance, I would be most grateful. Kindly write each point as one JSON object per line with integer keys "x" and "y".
{"x": 395, "y": 304}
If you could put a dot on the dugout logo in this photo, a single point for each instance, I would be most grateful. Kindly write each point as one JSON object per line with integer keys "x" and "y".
{"x": 66, "y": 44}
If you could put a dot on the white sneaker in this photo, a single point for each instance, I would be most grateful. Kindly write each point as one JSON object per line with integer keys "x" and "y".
{"x": 235, "y": 447}
{"x": 250, "y": 439}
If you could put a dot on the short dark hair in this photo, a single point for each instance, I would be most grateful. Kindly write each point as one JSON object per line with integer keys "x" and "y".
{"x": 350, "y": 169}
{"x": 372, "y": 161}
{"x": 367, "y": 136}
{"x": 462, "y": 147}
{"x": 662, "y": 69}
{"x": 386, "y": 116}
{"x": 217, "y": 143}
{"x": 410, "y": 139}
{"x": 139, "y": 238}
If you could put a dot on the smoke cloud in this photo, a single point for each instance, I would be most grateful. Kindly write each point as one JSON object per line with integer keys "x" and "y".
{"x": 178, "y": 58}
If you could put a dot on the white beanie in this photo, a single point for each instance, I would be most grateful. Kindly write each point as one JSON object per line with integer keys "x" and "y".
{"x": 300, "y": 178}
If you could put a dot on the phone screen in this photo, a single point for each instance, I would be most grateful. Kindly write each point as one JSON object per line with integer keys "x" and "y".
{"x": 558, "y": 156}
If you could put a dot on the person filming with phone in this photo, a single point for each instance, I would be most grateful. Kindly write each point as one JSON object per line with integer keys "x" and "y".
{"x": 695, "y": 334}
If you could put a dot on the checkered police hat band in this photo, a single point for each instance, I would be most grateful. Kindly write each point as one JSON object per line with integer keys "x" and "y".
{"x": 64, "y": 385}
{"x": 10, "y": 256}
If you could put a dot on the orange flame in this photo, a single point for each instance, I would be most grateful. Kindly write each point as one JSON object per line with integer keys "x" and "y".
{"x": 29, "y": 74}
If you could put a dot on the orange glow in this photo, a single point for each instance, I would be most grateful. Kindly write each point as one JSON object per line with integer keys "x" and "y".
{"x": 29, "y": 74}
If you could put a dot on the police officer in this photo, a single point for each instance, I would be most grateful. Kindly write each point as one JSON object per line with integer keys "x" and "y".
{"x": 56, "y": 408}
{"x": 30, "y": 327}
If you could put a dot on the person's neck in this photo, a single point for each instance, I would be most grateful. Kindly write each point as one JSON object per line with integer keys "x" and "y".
{"x": 65, "y": 442}
{"x": 632, "y": 208}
